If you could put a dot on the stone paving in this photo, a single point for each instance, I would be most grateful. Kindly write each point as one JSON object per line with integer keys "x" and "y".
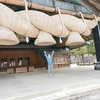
{"x": 38, "y": 86}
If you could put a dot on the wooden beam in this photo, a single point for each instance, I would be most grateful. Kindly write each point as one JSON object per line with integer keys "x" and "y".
{"x": 91, "y": 6}
{"x": 95, "y": 3}
{"x": 45, "y": 8}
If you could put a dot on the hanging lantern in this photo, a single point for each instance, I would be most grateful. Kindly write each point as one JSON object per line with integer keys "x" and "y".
{"x": 74, "y": 39}
{"x": 44, "y": 39}
{"x": 7, "y": 37}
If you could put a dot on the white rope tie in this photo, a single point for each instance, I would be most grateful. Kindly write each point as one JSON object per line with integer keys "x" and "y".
{"x": 28, "y": 22}
{"x": 61, "y": 23}
{"x": 95, "y": 17}
{"x": 83, "y": 21}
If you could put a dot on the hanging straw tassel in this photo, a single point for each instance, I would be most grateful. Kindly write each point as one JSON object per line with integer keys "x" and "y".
{"x": 7, "y": 37}
{"x": 44, "y": 39}
{"x": 87, "y": 32}
{"x": 74, "y": 39}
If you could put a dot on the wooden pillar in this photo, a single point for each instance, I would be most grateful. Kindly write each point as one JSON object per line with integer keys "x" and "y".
{"x": 96, "y": 35}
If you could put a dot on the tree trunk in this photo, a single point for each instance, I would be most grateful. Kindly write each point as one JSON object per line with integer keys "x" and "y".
{"x": 82, "y": 58}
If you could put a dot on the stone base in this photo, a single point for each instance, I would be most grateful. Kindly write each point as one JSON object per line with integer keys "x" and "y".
{"x": 97, "y": 66}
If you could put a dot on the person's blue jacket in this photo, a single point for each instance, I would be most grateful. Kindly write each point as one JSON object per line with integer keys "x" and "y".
{"x": 49, "y": 60}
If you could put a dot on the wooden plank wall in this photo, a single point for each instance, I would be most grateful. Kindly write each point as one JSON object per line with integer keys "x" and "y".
{"x": 19, "y": 53}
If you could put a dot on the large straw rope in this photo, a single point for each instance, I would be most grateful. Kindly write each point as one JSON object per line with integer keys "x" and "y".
{"x": 13, "y": 21}
{"x": 92, "y": 23}
{"x": 87, "y": 30}
{"x": 75, "y": 24}
{"x": 71, "y": 22}
{"x": 43, "y": 38}
{"x": 45, "y": 23}
{"x": 54, "y": 25}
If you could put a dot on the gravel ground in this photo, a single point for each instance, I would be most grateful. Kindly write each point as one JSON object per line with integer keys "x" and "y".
{"x": 93, "y": 96}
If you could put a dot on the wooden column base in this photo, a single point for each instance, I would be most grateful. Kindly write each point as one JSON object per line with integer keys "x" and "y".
{"x": 10, "y": 71}
{"x": 31, "y": 69}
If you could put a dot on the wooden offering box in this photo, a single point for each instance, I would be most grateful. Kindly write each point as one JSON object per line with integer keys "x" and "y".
{"x": 21, "y": 69}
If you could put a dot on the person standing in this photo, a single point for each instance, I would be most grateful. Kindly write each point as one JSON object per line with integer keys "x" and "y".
{"x": 49, "y": 61}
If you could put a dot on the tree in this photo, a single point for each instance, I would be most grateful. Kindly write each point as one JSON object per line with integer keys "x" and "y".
{"x": 88, "y": 48}
{"x": 80, "y": 51}
{"x": 91, "y": 48}
{"x": 77, "y": 51}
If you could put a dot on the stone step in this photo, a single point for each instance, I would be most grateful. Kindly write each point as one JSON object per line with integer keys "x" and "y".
{"x": 65, "y": 93}
{"x": 70, "y": 94}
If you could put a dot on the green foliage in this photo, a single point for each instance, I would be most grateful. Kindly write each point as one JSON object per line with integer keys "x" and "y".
{"x": 84, "y": 49}
{"x": 78, "y": 51}
{"x": 91, "y": 48}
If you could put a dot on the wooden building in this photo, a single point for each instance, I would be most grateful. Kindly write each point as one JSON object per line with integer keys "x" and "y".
{"x": 25, "y": 57}
{"x": 17, "y": 59}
